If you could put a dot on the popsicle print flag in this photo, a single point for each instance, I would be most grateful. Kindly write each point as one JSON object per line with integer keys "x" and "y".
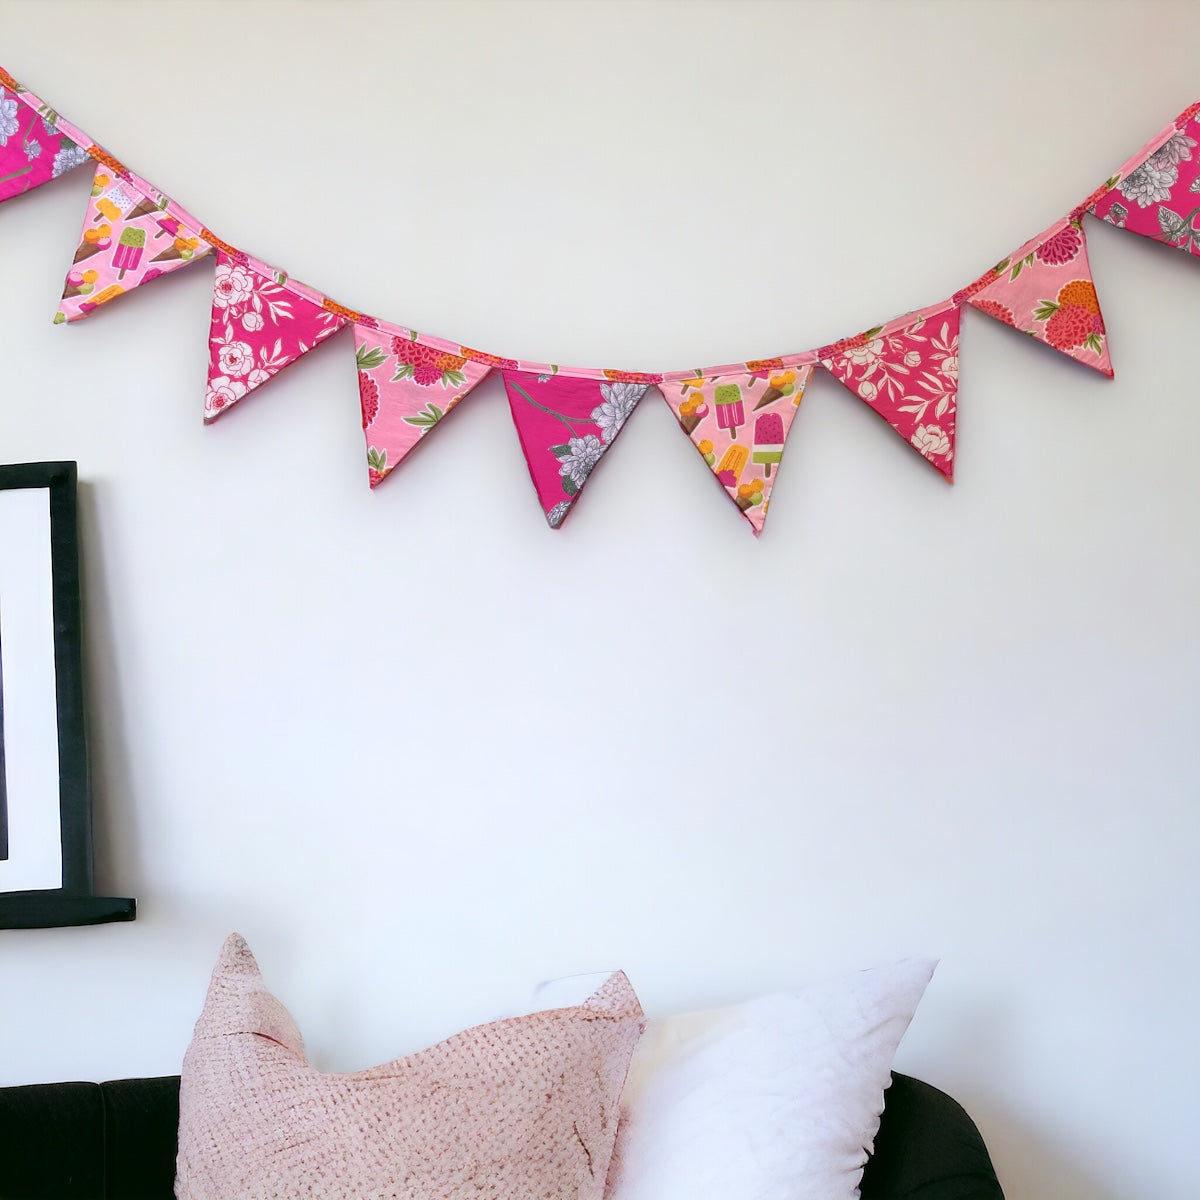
{"x": 907, "y": 371}
{"x": 1046, "y": 290}
{"x": 131, "y": 235}
{"x": 406, "y": 387}
{"x": 739, "y": 421}
{"x": 566, "y": 425}
{"x": 33, "y": 149}
{"x": 261, "y": 322}
{"x": 1157, "y": 193}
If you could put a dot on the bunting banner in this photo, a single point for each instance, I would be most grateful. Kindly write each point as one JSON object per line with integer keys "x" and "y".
{"x": 737, "y": 416}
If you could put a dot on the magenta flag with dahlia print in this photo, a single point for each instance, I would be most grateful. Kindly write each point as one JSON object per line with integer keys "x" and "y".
{"x": 907, "y": 371}
{"x": 262, "y": 321}
{"x": 566, "y": 425}
{"x": 131, "y": 235}
{"x": 1046, "y": 290}
{"x": 1157, "y": 192}
{"x": 739, "y": 421}
{"x": 33, "y": 147}
{"x": 406, "y": 387}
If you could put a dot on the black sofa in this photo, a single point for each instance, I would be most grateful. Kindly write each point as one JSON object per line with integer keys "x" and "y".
{"x": 116, "y": 1141}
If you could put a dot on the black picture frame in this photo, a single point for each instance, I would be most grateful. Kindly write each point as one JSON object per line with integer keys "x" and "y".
{"x": 75, "y": 902}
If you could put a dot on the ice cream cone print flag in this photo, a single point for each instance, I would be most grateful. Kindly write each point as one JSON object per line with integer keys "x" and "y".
{"x": 1157, "y": 192}
{"x": 262, "y": 321}
{"x": 739, "y": 421}
{"x": 406, "y": 386}
{"x": 1046, "y": 290}
{"x": 907, "y": 371}
{"x": 35, "y": 146}
{"x": 130, "y": 236}
{"x": 566, "y": 425}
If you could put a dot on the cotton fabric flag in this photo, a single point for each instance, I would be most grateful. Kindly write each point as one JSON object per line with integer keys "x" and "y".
{"x": 406, "y": 386}
{"x": 739, "y": 421}
{"x": 262, "y": 321}
{"x": 907, "y": 371}
{"x": 1046, "y": 290}
{"x": 566, "y": 425}
{"x": 132, "y": 234}
{"x": 1157, "y": 193}
{"x": 33, "y": 147}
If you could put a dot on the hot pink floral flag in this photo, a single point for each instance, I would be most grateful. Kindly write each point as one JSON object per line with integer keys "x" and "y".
{"x": 406, "y": 385}
{"x": 35, "y": 146}
{"x": 131, "y": 235}
{"x": 739, "y": 421}
{"x": 566, "y": 424}
{"x": 1157, "y": 192}
{"x": 262, "y": 321}
{"x": 1046, "y": 290}
{"x": 907, "y": 371}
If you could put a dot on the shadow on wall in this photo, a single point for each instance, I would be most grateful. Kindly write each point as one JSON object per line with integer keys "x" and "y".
{"x": 115, "y": 835}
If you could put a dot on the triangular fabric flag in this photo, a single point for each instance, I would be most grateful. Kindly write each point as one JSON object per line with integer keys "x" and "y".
{"x": 406, "y": 385}
{"x": 907, "y": 371}
{"x": 130, "y": 236}
{"x": 1046, "y": 290}
{"x": 262, "y": 321}
{"x": 1157, "y": 192}
{"x": 33, "y": 150}
{"x": 566, "y": 424}
{"x": 739, "y": 422}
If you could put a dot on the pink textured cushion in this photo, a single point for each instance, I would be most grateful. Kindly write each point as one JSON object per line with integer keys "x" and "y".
{"x": 524, "y": 1108}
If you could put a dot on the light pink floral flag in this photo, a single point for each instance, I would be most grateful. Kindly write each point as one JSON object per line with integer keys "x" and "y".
{"x": 406, "y": 385}
{"x": 1157, "y": 192}
{"x": 566, "y": 424}
{"x": 35, "y": 145}
{"x": 739, "y": 417}
{"x": 262, "y": 321}
{"x": 131, "y": 235}
{"x": 907, "y": 371}
{"x": 1046, "y": 290}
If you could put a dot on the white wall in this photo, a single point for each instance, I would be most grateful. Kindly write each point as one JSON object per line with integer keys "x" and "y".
{"x": 423, "y": 752}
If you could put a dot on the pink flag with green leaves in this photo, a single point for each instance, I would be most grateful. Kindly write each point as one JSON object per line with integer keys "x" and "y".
{"x": 566, "y": 424}
{"x": 407, "y": 384}
{"x": 262, "y": 321}
{"x": 1046, "y": 290}
{"x": 907, "y": 371}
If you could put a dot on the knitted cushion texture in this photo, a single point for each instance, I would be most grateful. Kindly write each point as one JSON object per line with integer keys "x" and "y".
{"x": 525, "y": 1107}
